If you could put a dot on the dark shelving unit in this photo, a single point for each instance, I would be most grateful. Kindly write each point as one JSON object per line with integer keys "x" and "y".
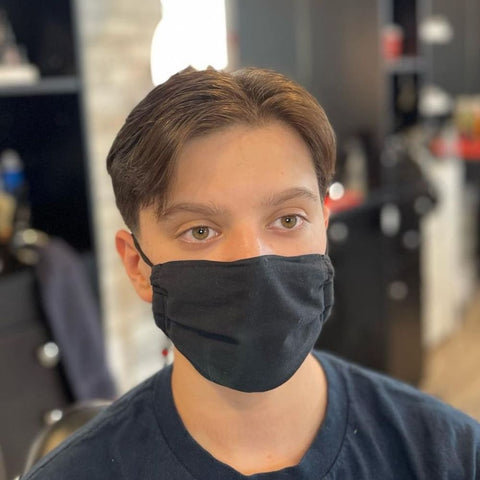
{"x": 404, "y": 75}
{"x": 44, "y": 122}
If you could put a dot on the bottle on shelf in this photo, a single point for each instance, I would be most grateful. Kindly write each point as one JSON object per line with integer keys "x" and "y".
{"x": 14, "y": 183}
{"x": 7, "y": 214}
{"x": 14, "y": 204}
{"x": 7, "y": 38}
{"x": 15, "y": 68}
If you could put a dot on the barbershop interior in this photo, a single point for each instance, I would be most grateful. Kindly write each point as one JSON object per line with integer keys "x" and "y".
{"x": 399, "y": 81}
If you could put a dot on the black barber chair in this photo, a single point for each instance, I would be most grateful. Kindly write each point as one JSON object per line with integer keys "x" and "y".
{"x": 376, "y": 250}
{"x": 51, "y": 350}
{"x": 33, "y": 387}
{"x": 376, "y": 319}
{"x": 72, "y": 419}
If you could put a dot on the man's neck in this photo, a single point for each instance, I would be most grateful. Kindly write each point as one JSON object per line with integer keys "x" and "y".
{"x": 252, "y": 432}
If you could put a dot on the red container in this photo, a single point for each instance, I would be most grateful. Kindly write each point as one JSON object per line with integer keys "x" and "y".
{"x": 392, "y": 42}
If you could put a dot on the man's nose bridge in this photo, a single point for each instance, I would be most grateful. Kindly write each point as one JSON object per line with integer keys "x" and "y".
{"x": 246, "y": 241}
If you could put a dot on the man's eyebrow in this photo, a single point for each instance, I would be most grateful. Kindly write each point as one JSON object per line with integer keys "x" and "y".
{"x": 197, "y": 208}
{"x": 213, "y": 210}
{"x": 290, "y": 194}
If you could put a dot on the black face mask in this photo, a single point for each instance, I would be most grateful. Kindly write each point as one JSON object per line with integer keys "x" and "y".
{"x": 247, "y": 324}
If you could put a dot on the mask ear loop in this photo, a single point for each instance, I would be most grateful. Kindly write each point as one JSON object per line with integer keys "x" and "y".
{"x": 140, "y": 251}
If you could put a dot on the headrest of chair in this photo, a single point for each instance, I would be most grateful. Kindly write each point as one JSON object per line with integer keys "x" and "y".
{"x": 71, "y": 420}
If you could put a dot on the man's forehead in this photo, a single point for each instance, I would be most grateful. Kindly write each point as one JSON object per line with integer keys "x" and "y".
{"x": 269, "y": 163}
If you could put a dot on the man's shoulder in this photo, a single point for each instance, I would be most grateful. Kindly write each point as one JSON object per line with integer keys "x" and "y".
{"x": 368, "y": 386}
{"x": 95, "y": 450}
{"x": 395, "y": 419}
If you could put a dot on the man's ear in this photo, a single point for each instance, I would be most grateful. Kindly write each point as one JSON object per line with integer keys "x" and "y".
{"x": 326, "y": 215}
{"x": 137, "y": 270}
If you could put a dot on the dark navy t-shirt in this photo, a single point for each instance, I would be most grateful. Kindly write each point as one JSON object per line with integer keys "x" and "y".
{"x": 374, "y": 428}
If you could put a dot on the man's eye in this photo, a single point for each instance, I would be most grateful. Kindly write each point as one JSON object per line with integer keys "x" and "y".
{"x": 199, "y": 234}
{"x": 289, "y": 221}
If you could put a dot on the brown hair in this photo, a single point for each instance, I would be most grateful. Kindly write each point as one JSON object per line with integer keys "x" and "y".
{"x": 191, "y": 103}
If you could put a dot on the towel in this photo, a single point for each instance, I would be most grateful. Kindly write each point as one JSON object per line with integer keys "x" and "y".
{"x": 72, "y": 314}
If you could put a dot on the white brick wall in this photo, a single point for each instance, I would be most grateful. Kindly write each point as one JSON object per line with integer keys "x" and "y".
{"x": 115, "y": 37}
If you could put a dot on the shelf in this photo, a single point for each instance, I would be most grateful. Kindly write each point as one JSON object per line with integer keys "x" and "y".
{"x": 45, "y": 86}
{"x": 406, "y": 64}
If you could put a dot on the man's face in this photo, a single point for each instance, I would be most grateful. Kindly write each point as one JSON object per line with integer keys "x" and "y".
{"x": 239, "y": 193}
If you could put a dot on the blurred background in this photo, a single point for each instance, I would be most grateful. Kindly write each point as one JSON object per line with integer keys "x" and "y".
{"x": 400, "y": 82}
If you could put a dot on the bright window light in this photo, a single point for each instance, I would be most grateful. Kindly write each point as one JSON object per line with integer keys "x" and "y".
{"x": 191, "y": 32}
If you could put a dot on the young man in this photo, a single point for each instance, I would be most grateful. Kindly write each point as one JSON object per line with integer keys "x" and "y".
{"x": 221, "y": 179}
